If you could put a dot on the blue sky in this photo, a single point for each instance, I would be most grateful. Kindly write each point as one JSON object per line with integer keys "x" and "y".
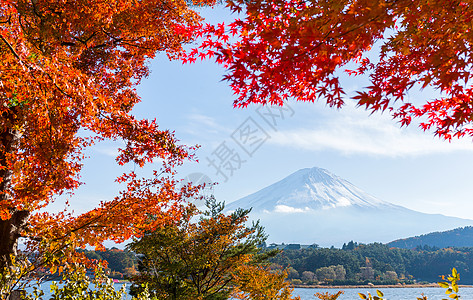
{"x": 404, "y": 166}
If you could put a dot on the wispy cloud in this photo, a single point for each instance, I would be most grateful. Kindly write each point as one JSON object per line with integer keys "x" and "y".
{"x": 109, "y": 151}
{"x": 198, "y": 123}
{"x": 203, "y": 120}
{"x": 353, "y": 131}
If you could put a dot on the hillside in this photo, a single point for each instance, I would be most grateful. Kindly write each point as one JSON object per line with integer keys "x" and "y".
{"x": 458, "y": 237}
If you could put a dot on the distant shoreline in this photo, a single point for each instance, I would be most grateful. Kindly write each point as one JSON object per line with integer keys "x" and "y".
{"x": 369, "y": 286}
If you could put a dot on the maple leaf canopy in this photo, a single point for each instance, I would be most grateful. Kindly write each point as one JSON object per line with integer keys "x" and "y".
{"x": 67, "y": 75}
{"x": 284, "y": 49}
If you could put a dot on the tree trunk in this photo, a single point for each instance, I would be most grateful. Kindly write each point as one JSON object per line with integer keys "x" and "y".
{"x": 17, "y": 295}
{"x": 10, "y": 229}
{"x": 10, "y": 232}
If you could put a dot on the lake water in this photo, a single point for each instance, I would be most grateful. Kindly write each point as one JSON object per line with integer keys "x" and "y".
{"x": 352, "y": 294}
{"x": 389, "y": 293}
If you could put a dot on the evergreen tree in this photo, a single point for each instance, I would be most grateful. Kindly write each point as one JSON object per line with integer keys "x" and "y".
{"x": 197, "y": 259}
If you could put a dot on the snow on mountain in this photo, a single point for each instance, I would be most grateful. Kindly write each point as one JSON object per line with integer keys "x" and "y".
{"x": 316, "y": 206}
{"x": 307, "y": 190}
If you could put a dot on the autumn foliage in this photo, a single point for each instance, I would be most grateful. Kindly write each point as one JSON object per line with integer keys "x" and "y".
{"x": 284, "y": 49}
{"x": 208, "y": 255}
{"x": 67, "y": 75}
{"x": 68, "y": 71}
{"x": 259, "y": 283}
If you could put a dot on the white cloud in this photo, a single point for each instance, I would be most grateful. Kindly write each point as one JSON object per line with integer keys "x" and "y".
{"x": 203, "y": 126}
{"x": 353, "y": 131}
{"x": 108, "y": 148}
{"x": 203, "y": 120}
{"x": 289, "y": 209}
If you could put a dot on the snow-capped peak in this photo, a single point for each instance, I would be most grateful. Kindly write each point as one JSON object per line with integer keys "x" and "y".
{"x": 307, "y": 190}
{"x": 316, "y": 206}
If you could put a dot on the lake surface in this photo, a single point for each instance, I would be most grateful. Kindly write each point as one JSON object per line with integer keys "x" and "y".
{"x": 352, "y": 294}
{"x": 389, "y": 293}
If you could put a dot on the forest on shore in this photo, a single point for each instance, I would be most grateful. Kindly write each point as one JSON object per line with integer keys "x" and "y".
{"x": 353, "y": 264}
{"x": 374, "y": 263}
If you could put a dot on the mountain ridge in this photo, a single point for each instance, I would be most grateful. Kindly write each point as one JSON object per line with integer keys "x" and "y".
{"x": 328, "y": 189}
{"x": 457, "y": 237}
{"x": 313, "y": 205}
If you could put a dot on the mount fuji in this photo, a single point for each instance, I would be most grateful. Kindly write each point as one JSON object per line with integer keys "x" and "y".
{"x": 315, "y": 206}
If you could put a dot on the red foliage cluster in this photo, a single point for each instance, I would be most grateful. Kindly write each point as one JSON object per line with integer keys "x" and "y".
{"x": 286, "y": 49}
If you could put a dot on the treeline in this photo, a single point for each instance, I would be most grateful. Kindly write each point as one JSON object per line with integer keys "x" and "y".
{"x": 373, "y": 263}
{"x": 121, "y": 264}
{"x": 353, "y": 264}
{"x": 458, "y": 237}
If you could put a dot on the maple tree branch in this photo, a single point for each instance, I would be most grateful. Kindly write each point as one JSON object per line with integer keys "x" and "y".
{"x": 123, "y": 41}
{"x": 325, "y": 38}
{"x": 130, "y": 126}
{"x": 30, "y": 68}
{"x": 12, "y": 50}
{"x": 97, "y": 218}
{"x": 219, "y": 277}
{"x": 68, "y": 44}
{"x": 55, "y": 84}
{"x": 82, "y": 40}
{"x": 44, "y": 260}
